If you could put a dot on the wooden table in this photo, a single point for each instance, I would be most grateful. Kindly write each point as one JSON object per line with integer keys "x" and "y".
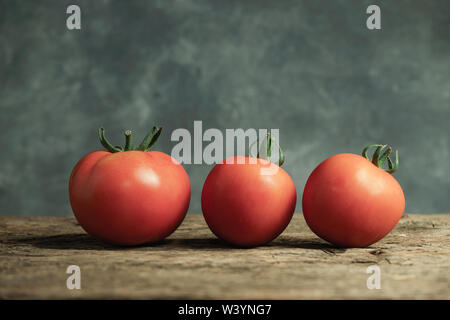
{"x": 414, "y": 261}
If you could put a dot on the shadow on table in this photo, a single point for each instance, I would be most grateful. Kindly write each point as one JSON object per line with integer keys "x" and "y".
{"x": 86, "y": 242}
{"x": 310, "y": 244}
{"x": 82, "y": 241}
{"x": 75, "y": 241}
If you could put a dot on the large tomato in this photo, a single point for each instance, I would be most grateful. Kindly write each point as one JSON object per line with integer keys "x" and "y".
{"x": 353, "y": 202}
{"x": 246, "y": 206}
{"x": 129, "y": 197}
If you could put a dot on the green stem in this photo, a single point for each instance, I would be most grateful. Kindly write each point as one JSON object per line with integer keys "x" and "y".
{"x": 366, "y": 149}
{"x": 385, "y": 156}
{"x": 150, "y": 139}
{"x": 269, "y": 145}
{"x": 108, "y": 146}
{"x": 393, "y": 168}
{"x": 376, "y": 155}
{"x": 128, "y": 141}
{"x": 379, "y": 158}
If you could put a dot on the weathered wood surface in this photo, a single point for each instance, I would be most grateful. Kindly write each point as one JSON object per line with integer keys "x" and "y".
{"x": 35, "y": 252}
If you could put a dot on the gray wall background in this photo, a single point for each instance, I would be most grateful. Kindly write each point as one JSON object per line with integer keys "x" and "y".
{"x": 310, "y": 68}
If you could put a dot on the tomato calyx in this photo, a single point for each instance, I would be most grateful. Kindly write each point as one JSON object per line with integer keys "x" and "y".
{"x": 379, "y": 158}
{"x": 146, "y": 144}
{"x": 265, "y": 150}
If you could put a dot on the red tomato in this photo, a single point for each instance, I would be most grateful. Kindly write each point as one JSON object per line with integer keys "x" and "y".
{"x": 245, "y": 207}
{"x": 129, "y": 197}
{"x": 351, "y": 202}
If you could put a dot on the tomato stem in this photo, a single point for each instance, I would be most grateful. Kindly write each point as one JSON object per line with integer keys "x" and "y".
{"x": 267, "y": 151}
{"x": 384, "y": 156}
{"x": 379, "y": 158}
{"x": 128, "y": 141}
{"x": 108, "y": 146}
{"x": 149, "y": 140}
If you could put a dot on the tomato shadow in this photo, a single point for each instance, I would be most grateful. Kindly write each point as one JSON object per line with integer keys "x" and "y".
{"x": 83, "y": 241}
{"x": 75, "y": 241}
{"x": 294, "y": 243}
{"x": 199, "y": 243}
{"x": 309, "y": 244}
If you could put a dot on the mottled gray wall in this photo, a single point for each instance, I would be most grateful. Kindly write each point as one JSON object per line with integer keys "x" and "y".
{"x": 310, "y": 68}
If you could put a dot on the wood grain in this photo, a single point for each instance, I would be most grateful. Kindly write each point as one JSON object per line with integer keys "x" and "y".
{"x": 193, "y": 264}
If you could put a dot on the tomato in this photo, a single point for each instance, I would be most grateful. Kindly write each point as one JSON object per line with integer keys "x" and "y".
{"x": 353, "y": 202}
{"x": 129, "y": 197}
{"x": 245, "y": 206}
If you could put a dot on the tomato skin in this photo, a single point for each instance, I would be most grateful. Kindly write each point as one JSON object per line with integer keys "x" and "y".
{"x": 350, "y": 202}
{"x": 244, "y": 207}
{"x": 129, "y": 198}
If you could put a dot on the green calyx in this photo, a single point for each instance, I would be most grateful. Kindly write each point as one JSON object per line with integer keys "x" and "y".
{"x": 266, "y": 149}
{"x": 146, "y": 144}
{"x": 379, "y": 158}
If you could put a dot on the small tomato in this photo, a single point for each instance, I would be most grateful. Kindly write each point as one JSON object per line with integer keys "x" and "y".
{"x": 246, "y": 203}
{"x": 353, "y": 202}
